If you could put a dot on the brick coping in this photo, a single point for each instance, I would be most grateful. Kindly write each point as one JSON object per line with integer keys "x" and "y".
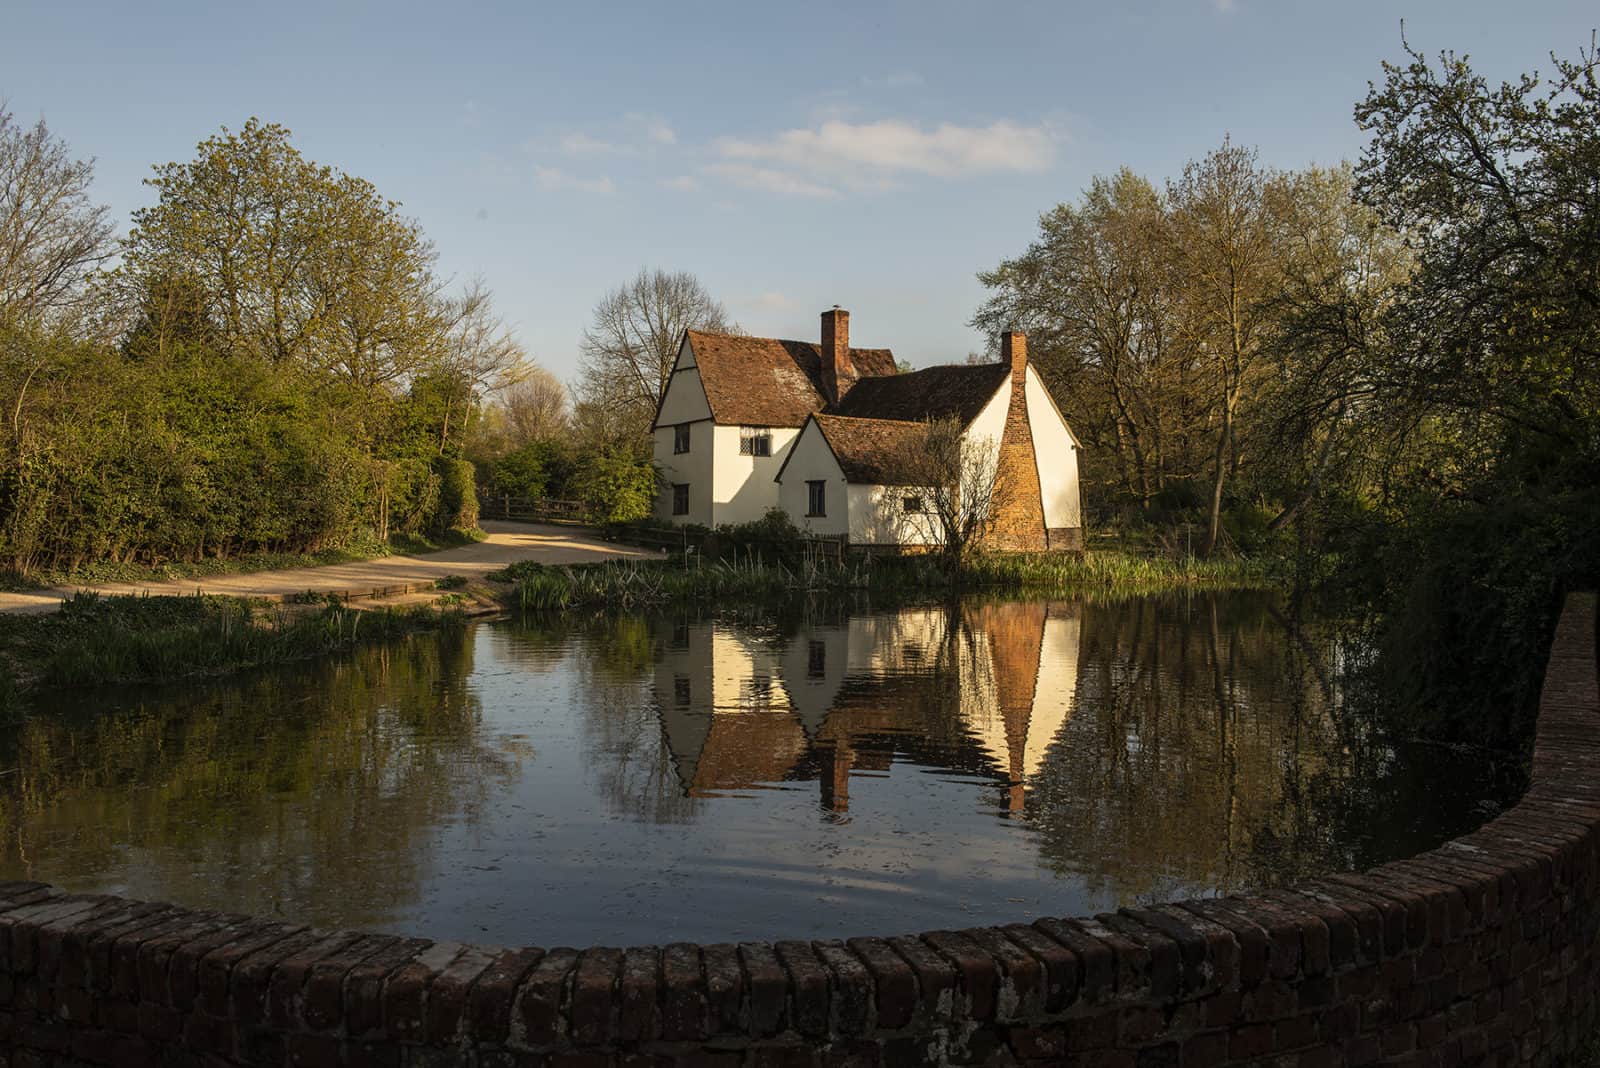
{"x": 1481, "y": 949}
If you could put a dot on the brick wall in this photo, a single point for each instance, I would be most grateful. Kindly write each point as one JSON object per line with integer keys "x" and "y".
{"x": 1019, "y": 501}
{"x": 1479, "y": 952}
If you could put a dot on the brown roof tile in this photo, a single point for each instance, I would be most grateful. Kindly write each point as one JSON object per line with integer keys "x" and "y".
{"x": 764, "y": 381}
{"x": 873, "y": 451}
{"x": 960, "y": 390}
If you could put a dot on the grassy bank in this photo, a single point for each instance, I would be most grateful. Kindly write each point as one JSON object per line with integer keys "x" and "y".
{"x": 369, "y": 548}
{"x": 96, "y": 640}
{"x": 631, "y": 584}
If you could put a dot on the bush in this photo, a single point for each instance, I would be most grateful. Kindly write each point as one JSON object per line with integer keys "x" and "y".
{"x": 458, "y": 495}
{"x": 615, "y": 486}
{"x": 772, "y": 539}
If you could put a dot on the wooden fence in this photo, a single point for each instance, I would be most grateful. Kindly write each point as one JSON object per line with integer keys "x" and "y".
{"x": 664, "y": 536}
{"x": 533, "y": 509}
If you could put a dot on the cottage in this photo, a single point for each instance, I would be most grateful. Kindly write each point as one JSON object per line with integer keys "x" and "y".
{"x": 825, "y": 432}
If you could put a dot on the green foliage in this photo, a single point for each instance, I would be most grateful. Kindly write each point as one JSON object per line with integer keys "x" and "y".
{"x": 772, "y": 539}
{"x": 921, "y": 577}
{"x": 94, "y": 640}
{"x": 1485, "y": 509}
{"x": 458, "y": 496}
{"x": 293, "y": 379}
{"x": 615, "y": 485}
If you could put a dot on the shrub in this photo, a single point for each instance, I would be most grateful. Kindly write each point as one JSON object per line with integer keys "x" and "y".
{"x": 458, "y": 495}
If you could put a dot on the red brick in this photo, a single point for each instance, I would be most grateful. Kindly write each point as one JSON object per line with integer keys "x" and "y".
{"x": 1254, "y": 1040}
{"x": 724, "y": 986}
{"x": 852, "y": 988}
{"x": 280, "y": 972}
{"x": 594, "y": 994}
{"x": 978, "y": 971}
{"x": 362, "y": 994}
{"x": 894, "y": 983}
{"x": 1058, "y": 963}
{"x": 489, "y": 1007}
{"x": 1097, "y": 961}
{"x": 808, "y": 987}
{"x": 540, "y": 998}
{"x": 768, "y": 988}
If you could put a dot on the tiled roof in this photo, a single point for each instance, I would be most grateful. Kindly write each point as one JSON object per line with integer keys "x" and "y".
{"x": 875, "y": 452}
{"x": 764, "y": 381}
{"x": 932, "y": 393}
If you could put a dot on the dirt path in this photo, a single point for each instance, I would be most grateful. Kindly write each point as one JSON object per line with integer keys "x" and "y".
{"x": 507, "y": 543}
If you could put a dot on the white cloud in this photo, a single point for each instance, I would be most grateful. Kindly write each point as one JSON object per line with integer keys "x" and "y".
{"x": 581, "y": 144}
{"x": 555, "y": 178}
{"x": 770, "y": 180}
{"x": 656, "y": 129}
{"x": 872, "y": 154}
{"x": 683, "y": 183}
{"x": 773, "y": 302}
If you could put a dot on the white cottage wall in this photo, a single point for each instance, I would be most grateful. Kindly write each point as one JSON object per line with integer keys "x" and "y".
{"x": 810, "y": 459}
{"x": 1057, "y": 458}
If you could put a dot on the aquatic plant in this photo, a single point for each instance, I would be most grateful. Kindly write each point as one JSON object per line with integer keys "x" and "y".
{"x": 634, "y": 584}
{"x": 94, "y": 639}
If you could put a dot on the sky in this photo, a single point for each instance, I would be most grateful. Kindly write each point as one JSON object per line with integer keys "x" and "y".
{"x": 792, "y": 156}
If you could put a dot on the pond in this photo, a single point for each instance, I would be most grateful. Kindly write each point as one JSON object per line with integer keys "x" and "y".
{"x": 830, "y": 771}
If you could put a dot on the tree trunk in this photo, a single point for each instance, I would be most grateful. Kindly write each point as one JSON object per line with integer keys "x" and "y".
{"x": 1224, "y": 436}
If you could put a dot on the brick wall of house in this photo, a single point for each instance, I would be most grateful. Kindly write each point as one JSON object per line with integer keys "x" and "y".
{"x": 1019, "y": 501}
{"x": 1482, "y": 951}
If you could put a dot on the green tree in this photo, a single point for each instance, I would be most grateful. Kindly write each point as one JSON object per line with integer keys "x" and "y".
{"x": 300, "y": 263}
{"x": 1491, "y": 385}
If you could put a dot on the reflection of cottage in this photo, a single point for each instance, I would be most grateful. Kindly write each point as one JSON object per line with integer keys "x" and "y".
{"x": 738, "y": 711}
{"x": 726, "y": 716}
{"x": 822, "y": 430}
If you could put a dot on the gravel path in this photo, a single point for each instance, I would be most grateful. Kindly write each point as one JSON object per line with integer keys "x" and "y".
{"x": 507, "y": 543}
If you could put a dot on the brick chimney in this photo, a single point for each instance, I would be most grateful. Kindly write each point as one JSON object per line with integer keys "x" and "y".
{"x": 838, "y": 373}
{"x": 1019, "y": 500}
{"x": 1014, "y": 351}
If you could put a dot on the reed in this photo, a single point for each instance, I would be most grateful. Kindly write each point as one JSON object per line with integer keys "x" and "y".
{"x": 631, "y": 584}
{"x": 95, "y": 640}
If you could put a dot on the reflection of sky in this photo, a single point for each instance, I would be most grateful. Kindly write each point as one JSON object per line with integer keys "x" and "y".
{"x": 752, "y": 863}
{"x": 1004, "y": 763}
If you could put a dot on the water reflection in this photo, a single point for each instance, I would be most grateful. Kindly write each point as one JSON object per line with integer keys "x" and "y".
{"x": 627, "y": 779}
{"x": 979, "y": 688}
{"x": 260, "y": 795}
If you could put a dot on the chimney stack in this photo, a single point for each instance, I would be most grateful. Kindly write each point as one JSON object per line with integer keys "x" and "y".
{"x": 838, "y": 373}
{"x": 1014, "y": 351}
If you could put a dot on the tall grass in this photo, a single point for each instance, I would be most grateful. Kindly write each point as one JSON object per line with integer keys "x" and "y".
{"x": 631, "y": 584}
{"x": 1119, "y": 572}
{"x": 96, "y": 640}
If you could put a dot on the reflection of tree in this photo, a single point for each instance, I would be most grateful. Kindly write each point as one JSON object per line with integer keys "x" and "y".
{"x": 627, "y": 749}
{"x": 308, "y": 790}
{"x": 1210, "y": 750}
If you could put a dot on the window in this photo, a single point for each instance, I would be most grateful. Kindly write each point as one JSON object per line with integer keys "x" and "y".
{"x": 755, "y": 694}
{"x": 680, "y": 691}
{"x": 680, "y": 498}
{"x": 680, "y": 438}
{"x": 816, "y": 498}
{"x": 755, "y": 441}
{"x": 680, "y": 636}
{"x": 816, "y": 660}
{"x": 913, "y": 504}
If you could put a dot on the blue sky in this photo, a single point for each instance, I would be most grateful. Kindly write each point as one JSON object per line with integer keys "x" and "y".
{"x": 794, "y": 156}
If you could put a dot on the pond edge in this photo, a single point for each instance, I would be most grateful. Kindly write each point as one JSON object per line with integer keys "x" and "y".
{"x": 1484, "y": 948}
